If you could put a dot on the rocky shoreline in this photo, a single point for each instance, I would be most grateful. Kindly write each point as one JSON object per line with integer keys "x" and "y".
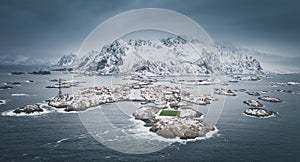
{"x": 187, "y": 124}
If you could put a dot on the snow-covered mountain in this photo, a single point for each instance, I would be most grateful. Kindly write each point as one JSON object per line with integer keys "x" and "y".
{"x": 66, "y": 61}
{"x": 170, "y": 56}
{"x": 236, "y": 60}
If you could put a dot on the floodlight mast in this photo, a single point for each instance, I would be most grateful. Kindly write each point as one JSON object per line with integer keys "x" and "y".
{"x": 59, "y": 88}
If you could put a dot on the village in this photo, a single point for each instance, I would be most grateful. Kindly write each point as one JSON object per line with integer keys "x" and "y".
{"x": 165, "y": 108}
{"x": 143, "y": 92}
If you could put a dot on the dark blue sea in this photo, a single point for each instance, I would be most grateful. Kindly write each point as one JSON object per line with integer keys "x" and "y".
{"x": 57, "y": 136}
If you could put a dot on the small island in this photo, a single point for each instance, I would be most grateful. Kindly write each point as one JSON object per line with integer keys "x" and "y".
{"x": 13, "y": 83}
{"x": 284, "y": 91}
{"x": 254, "y": 93}
{"x": 259, "y": 112}
{"x": 253, "y": 103}
{"x": 5, "y": 87}
{"x": 172, "y": 122}
{"x": 226, "y": 92}
{"x": 41, "y": 72}
{"x": 17, "y": 73}
{"x": 270, "y": 99}
{"x": 240, "y": 90}
{"x": 28, "y": 109}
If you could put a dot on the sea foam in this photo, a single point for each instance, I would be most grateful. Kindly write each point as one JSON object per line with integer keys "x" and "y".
{"x": 19, "y": 94}
{"x": 3, "y": 102}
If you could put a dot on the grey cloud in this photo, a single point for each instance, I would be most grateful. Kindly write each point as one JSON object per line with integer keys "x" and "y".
{"x": 51, "y": 28}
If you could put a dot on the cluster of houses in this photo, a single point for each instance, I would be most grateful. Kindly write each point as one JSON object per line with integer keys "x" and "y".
{"x": 143, "y": 92}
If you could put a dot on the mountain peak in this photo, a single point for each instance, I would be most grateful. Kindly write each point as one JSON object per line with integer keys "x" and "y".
{"x": 66, "y": 60}
{"x": 173, "y": 41}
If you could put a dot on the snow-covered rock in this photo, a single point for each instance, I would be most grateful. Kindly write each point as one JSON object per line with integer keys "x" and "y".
{"x": 253, "y": 103}
{"x": 185, "y": 125}
{"x": 187, "y": 112}
{"x": 270, "y": 99}
{"x": 222, "y": 91}
{"x": 254, "y": 93}
{"x": 60, "y": 101}
{"x": 259, "y": 112}
{"x": 28, "y": 109}
{"x": 145, "y": 113}
{"x": 184, "y": 128}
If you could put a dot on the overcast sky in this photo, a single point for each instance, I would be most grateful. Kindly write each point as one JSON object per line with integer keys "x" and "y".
{"x": 51, "y": 28}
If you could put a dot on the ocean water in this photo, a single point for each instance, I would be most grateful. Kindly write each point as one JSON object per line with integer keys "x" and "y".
{"x": 57, "y": 136}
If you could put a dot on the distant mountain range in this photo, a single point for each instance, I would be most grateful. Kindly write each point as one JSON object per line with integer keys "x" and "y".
{"x": 23, "y": 60}
{"x": 170, "y": 56}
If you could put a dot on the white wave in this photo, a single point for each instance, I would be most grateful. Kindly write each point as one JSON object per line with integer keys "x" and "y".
{"x": 52, "y": 109}
{"x": 11, "y": 84}
{"x": 61, "y": 140}
{"x": 47, "y": 144}
{"x": 3, "y": 102}
{"x": 89, "y": 109}
{"x": 82, "y": 136}
{"x": 61, "y": 110}
{"x": 28, "y": 81}
{"x": 110, "y": 140}
{"x": 46, "y": 109}
{"x": 19, "y": 94}
{"x": 293, "y": 83}
{"x": 36, "y": 158}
